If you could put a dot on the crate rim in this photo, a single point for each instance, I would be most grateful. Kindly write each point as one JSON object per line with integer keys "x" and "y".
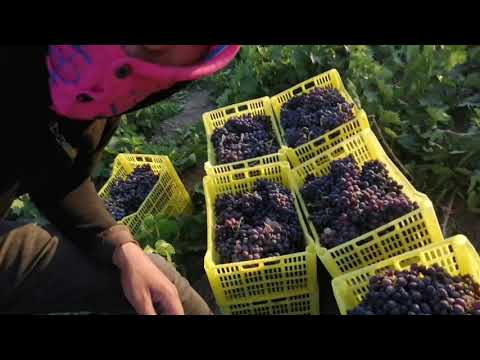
{"x": 211, "y": 156}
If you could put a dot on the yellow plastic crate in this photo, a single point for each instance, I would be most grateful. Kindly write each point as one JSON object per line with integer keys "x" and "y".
{"x": 217, "y": 118}
{"x": 291, "y": 305}
{"x": 168, "y": 196}
{"x": 309, "y": 150}
{"x": 248, "y": 282}
{"x": 456, "y": 254}
{"x": 329, "y": 79}
{"x": 411, "y": 231}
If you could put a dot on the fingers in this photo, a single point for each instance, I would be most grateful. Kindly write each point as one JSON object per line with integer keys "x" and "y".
{"x": 148, "y": 308}
{"x": 143, "y": 304}
{"x": 170, "y": 302}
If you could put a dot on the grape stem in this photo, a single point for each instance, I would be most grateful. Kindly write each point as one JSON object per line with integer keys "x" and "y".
{"x": 448, "y": 211}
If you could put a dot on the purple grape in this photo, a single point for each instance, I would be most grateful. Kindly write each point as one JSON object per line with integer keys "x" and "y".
{"x": 306, "y": 117}
{"x": 243, "y": 138}
{"x": 350, "y": 201}
{"x": 387, "y": 294}
{"x": 126, "y": 195}
{"x": 263, "y": 220}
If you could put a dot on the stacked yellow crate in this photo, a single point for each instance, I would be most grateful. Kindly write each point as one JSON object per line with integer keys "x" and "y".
{"x": 276, "y": 285}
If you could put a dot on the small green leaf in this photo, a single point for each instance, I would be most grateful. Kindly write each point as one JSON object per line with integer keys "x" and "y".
{"x": 438, "y": 115}
{"x": 149, "y": 250}
{"x": 192, "y": 158}
{"x": 390, "y": 117}
{"x": 199, "y": 189}
{"x": 457, "y": 57}
{"x": 473, "y": 200}
{"x": 163, "y": 247}
{"x": 473, "y": 80}
{"x": 463, "y": 171}
{"x": 476, "y": 117}
{"x": 442, "y": 170}
{"x": 431, "y": 100}
{"x": 472, "y": 101}
{"x": 352, "y": 89}
{"x": 390, "y": 133}
{"x": 408, "y": 142}
{"x": 474, "y": 181}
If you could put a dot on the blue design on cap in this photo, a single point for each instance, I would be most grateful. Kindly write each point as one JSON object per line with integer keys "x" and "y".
{"x": 60, "y": 59}
{"x": 217, "y": 50}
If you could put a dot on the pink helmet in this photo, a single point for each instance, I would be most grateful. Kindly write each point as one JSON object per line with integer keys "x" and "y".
{"x": 91, "y": 81}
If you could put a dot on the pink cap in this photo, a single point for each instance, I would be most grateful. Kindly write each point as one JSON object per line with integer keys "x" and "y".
{"x": 91, "y": 81}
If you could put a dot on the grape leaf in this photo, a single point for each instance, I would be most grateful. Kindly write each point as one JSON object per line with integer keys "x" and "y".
{"x": 438, "y": 115}
{"x": 390, "y": 133}
{"x": 472, "y": 101}
{"x": 390, "y": 118}
{"x": 472, "y": 80}
{"x": 473, "y": 201}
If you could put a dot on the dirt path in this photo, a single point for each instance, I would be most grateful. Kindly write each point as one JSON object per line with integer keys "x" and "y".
{"x": 197, "y": 102}
{"x": 462, "y": 221}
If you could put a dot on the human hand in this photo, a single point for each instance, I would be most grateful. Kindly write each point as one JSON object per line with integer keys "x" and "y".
{"x": 144, "y": 285}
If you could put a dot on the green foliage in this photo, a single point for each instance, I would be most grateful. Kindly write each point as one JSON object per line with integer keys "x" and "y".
{"x": 176, "y": 239}
{"x": 162, "y": 248}
{"x": 261, "y": 70}
{"x": 25, "y": 209}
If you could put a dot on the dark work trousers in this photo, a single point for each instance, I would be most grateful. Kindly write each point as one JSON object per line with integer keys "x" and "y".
{"x": 43, "y": 273}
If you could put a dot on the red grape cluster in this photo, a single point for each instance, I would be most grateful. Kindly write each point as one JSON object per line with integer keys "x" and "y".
{"x": 244, "y": 138}
{"x": 306, "y": 117}
{"x": 127, "y": 195}
{"x": 350, "y": 201}
{"x": 420, "y": 291}
{"x": 257, "y": 224}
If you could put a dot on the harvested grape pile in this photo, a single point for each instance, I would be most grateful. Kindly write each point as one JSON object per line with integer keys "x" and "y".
{"x": 306, "y": 117}
{"x": 350, "y": 201}
{"x": 244, "y": 138}
{"x": 420, "y": 291}
{"x": 257, "y": 224}
{"x": 127, "y": 195}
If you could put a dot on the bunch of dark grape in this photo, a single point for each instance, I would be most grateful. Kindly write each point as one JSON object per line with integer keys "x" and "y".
{"x": 244, "y": 138}
{"x": 350, "y": 201}
{"x": 257, "y": 224}
{"x": 127, "y": 195}
{"x": 420, "y": 291}
{"x": 306, "y": 117}
{"x": 116, "y": 211}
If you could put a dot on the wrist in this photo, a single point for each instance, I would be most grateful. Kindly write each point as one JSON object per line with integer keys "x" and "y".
{"x": 122, "y": 254}
{"x": 117, "y": 237}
